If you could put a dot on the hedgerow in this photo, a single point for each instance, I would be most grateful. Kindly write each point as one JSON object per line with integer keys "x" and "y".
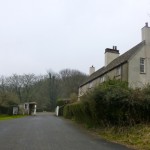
{"x": 111, "y": 103}
{"x": 61, "y": 104}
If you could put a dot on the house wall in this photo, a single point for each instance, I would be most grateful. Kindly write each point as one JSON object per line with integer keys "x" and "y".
{"x": 109, "y": 57}
{"x": 125, "y": 72}
{"x": 146, "y": 34}
{"x": 83, "y": 89}
{"x": 87, "y": 87}
{"x": 130, "y": 71}
{"x": 110, "y": 75}
{"x": 123, "y": 76}
{"x": 147, "y": 48}
{"x": 137, "y": 79}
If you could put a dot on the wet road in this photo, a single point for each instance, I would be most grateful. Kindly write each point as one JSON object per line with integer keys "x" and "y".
{"x": 47, "y": 132}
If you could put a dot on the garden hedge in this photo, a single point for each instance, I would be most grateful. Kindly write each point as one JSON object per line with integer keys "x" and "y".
{"x": 111, "y": 103}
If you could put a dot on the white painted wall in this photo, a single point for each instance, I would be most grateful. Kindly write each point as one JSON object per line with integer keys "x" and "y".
{"x": 146, "y": 34}
{"x": 132, "y": 68}
{"x": 91, "y": 70}
{"x": 135, "y": 78}
{"x": 57, "y": 111}
{"x": 109, "y": 57}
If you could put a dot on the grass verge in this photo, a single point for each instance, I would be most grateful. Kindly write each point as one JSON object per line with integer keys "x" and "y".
{"x": 7, "y": 117}
{"x": 137, "y": 137}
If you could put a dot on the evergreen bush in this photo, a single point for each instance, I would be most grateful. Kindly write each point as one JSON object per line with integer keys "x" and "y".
{"x": 111, "y": 103}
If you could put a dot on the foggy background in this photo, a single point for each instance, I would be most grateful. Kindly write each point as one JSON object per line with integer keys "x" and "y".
{"x": 38, "y": 35}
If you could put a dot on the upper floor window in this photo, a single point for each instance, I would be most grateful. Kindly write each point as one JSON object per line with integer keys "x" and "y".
{"x": 142, "y": 65}
{"x": 102, "y": 79}
{"x": 118, "y": 71}
{"x": 81, "y": 92}
{"x": 90, "y": 85}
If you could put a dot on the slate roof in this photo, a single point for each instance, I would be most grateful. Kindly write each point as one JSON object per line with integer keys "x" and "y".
{"x": 115, "y": 63}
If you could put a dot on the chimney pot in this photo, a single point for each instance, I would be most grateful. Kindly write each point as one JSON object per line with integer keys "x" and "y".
{"x": 115, "y": 47}
{"x": 146, "y": 24}
{"x": 111, "y": 54}
{"x": 92, "y": 70}
{"x": 146, "y": 33}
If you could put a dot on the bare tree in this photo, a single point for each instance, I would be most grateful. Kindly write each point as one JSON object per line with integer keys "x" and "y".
{"x": 70, "y": 81}
{"x": 28, "y": 81}
{"x": 15, "y": 84}
{"x": 7, "y": 97}
{"x": 2, "y": 91}
{"x": 53, "y": 87}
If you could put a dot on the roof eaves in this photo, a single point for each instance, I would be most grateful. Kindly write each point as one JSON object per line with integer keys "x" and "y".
{"x": 115, "y": 63}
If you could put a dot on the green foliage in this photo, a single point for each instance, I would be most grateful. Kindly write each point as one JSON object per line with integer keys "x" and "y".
{"x": 4, "y": 110}
{"x": 45, "y": 89}
{"x": 70, "y": 81}
{"x": 79, "y": 112}
{"x": 8, "y": 99}
{"x": 8, "y": 117}
{"x": 137, "y": 137}
{"x": 60, "y": 102}
{"x": 55, "y": 86}
{"x": 73, "y": 97}
{"x": 112, "y": 103}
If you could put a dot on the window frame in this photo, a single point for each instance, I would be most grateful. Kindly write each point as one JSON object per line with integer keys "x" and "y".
{"x": 118, "y": 71}
{"x": 102, "y": 79}
{"x": 142, "y": 65}
{"x": 90, "y": 85}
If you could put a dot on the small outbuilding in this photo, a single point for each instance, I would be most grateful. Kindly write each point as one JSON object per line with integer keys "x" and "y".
{"x": 28, "y": 108}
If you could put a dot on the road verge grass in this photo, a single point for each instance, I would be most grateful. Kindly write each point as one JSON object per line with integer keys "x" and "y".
{"x": 8, "y": 117}
{"x": 119, "y": 113}
{"x": 137, "y": 137}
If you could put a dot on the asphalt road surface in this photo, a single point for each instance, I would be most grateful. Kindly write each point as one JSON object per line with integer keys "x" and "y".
{"x": 47, "y": 132}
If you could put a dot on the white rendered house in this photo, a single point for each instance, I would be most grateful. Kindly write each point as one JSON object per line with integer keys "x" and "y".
{"x": 133, "y": 66}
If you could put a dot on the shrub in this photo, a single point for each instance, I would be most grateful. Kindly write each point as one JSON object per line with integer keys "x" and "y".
{"x": 79, "y": 112}
{"x": 60, "y": 102}
{"x": 106, "y": 102}
{"x": 4, "y": 110}
{"x": 111, "y": 103}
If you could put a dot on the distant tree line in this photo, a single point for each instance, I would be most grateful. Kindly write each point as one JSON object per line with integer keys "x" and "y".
{"x": 43, "y": 89}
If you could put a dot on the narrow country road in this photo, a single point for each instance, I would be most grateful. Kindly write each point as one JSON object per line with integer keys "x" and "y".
{"x": 47, "y": 132}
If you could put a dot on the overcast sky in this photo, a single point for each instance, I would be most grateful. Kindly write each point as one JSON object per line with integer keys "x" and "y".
{"x": 38, "y": 35}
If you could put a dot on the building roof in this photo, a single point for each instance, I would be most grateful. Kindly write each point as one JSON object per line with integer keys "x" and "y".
{"x": 115, "y": 63}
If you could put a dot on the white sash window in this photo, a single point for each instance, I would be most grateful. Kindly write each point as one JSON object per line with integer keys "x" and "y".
{"x": 142, "y": 65}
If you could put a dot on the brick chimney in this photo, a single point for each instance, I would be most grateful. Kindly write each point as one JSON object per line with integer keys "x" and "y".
{"x": 146, "y": 34}
{"x": 111, "y": 54}
{"x": 91, "y": 70}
